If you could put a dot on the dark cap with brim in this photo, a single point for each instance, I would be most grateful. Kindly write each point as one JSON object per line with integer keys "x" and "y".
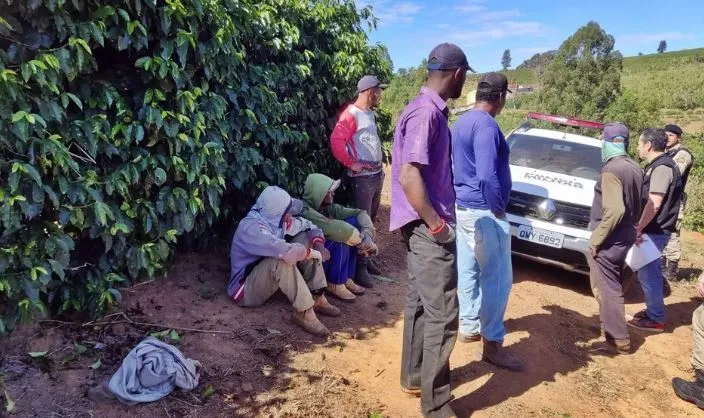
{"x": 369, "y": 82}
{"x": 674, "y": 129}
{"x": 493, "y": 83}
{"x": 447, "y": 57}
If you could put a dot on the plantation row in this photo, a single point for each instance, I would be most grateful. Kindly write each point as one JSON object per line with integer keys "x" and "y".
{"x": 128, "y": 127}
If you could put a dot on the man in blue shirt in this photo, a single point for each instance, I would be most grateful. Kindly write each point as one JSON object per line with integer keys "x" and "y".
{"x": 482, "y": 181}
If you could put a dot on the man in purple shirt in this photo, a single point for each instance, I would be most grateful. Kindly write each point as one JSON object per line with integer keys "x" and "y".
{"x": 483, "y": 185}
{"x": 422, "y": 206}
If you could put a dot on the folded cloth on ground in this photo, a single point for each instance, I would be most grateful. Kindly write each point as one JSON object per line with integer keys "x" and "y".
{"x": 152, "y": 370}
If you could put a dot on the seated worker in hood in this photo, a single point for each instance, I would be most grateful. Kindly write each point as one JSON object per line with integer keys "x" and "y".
{"x": 263, "y": 261}
{"x": 345, "y": 228}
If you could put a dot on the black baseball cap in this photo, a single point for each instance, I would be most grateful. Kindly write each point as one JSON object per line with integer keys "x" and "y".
{"x": 674, "y": 129}
{"x": 493, "y": 83}
{"x": 447, "y": 57}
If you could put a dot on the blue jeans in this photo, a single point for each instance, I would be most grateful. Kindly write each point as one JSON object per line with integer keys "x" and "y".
{"x": 485, "y": 274}
{"x": 652, "y": 282}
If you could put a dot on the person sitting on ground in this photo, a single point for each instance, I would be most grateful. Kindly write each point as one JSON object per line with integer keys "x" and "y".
{"x": 262, "y": 261}
{"x": 694, "y": 391}
{"x": 344, "y": 228}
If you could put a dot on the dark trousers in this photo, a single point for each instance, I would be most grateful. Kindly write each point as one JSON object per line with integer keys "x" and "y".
{"x": 366, "y": 192}
{"x": 607, "y": 283}
{"x": 430, "y": 318}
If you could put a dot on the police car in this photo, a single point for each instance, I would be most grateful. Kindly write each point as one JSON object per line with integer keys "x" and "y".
{"x": 554, "y": 173}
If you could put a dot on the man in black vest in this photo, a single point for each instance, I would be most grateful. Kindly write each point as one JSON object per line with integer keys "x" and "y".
{"x": 614, "y": 215}
{"x": 662, "y": 193}
{"x": 684, "y": 159}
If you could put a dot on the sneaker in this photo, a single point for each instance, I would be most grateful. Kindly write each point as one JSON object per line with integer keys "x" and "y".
{"x": 645, "y": 324}
{"x": 354, "y": 287}
{"x": 310, "y": 323}
{"x": 340, "y": 291}
{"x": 323, "y": 307}
{"x": 639, "y": 315}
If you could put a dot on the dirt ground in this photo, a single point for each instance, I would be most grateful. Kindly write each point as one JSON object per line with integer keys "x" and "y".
{"x": 261, "y": 365}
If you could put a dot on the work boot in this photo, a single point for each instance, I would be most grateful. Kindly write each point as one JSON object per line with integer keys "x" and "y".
{"x": 691, "y": 391}
{"x": 341, "y": 292}
{"x": 354, "y": 287}
{"x": 671, "y": 271}
{"x": 468, "y": 338}
{"x": 309, "y": 322}
{"x": 362, "y": 276}
{"x": 323, "y": 307}
{"x": 372, "y": 267}
{"x": 494, "y": 353}
{"x": 622, "y": 346}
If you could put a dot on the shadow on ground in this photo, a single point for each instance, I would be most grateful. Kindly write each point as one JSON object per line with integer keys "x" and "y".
{"x": 570, "y": 351}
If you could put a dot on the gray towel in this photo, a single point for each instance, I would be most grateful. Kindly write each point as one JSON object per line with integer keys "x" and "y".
{"x": 151, "y": 371}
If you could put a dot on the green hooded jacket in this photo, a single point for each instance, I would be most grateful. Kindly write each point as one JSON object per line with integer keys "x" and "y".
{"x": 331, "y": 218}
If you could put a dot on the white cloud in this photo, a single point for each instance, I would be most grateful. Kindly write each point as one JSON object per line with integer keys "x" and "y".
{"x": 641, "y": 38}
{"x": 389, "y": 12}
{"x": 470, "y": 6}
{"x": 491, "y": 15}
{"x": 492, "y": 31}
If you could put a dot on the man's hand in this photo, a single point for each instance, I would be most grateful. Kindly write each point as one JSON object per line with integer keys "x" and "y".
{"x": 700, "y": 286}
{"x": 639, "y": 237}
{"x": 323, "y": 251}
{"x": 367, "y": 243}
{"x": 357, "y": 167}
{"x": 444, "y": 234}
{"x": 593, "y": 251}
{"x": 500, "y": 215}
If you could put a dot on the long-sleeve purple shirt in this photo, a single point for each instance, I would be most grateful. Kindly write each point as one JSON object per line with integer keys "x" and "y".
{"x": 423, "y": 137}
{"x": 480, "y": 157}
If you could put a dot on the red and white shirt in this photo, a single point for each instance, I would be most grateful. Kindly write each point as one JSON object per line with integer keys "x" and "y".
{"x": 355, "y": 140}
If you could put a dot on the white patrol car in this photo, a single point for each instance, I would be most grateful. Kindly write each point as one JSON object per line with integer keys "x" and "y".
{"x": 553, "y": 174}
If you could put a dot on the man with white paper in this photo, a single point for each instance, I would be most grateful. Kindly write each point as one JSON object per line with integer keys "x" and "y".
{"x": 615, "y": 212}
{"x": 662, "y": 193}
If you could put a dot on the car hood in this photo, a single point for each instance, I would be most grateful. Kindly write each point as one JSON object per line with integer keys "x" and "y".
{"x": 561, "y": 187}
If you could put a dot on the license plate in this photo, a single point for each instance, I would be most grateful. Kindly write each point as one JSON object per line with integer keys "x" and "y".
{"x": 541, "y": 236}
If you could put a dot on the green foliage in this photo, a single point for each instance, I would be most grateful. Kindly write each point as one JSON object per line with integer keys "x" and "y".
{"x": 584, "y": 78}
{"x": 506, "y": 59}
{"x": 673, "y": 80}
{"x": 404, "y": 86}
{"x": 694, "y": 213}
{"x": 538, "y": 62}
{"x": 635, "y": 113}
{"x": 128, "y": 126}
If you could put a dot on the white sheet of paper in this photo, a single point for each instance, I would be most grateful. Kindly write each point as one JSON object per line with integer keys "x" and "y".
{"x": 642, "y": 255}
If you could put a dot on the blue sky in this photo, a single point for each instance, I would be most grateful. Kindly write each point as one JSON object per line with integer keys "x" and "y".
{"x": 484, "y": 28}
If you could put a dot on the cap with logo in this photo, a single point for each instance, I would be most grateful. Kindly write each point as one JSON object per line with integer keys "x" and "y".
{"x": 493, "y": 83}
{"x": 674, "y": 129}
{"x": 447, "y": 57}
{"x": 369, "y": 82}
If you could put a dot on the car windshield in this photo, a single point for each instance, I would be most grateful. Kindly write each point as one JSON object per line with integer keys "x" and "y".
{"x": 554, "y": 155}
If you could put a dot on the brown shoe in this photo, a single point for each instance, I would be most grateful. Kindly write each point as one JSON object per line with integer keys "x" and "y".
{"x": 323, "y": 307}
{"x": 494, "y": 353}
{"x": 469, "y": 338}
{"x": 354, "y": 287}
{"x": 309, "y": 322}
{"x": 341, "y": 292}
{"x": 621, "y": 346}
{"x": 411, "y": 391}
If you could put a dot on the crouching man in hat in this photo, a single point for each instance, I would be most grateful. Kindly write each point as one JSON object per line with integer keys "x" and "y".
{"x": 263, "y": 261}
{"x": 349, "y": 232}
